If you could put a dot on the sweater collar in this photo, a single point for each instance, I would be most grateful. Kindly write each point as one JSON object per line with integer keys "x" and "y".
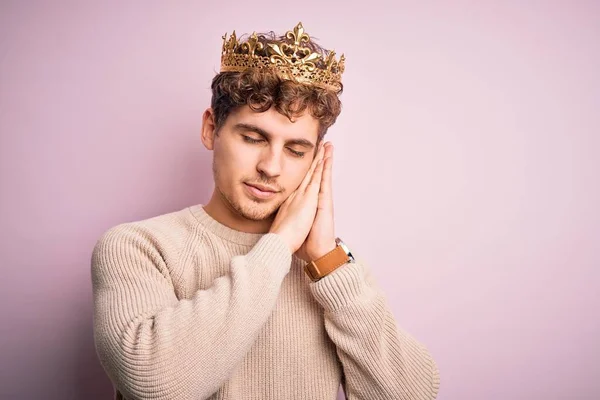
{"x": 223, "y": 231}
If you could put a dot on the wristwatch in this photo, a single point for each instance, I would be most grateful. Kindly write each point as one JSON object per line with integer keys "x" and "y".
{"x": 325, "y": 265}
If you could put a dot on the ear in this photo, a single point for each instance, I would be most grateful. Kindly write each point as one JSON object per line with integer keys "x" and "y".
{"x": 208, "y": 129}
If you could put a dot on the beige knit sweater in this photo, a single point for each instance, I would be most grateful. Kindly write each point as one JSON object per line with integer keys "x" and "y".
{"x": 187, "y": 308}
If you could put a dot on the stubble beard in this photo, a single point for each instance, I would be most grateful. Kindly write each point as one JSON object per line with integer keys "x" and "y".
{"x": 251, "y": 209}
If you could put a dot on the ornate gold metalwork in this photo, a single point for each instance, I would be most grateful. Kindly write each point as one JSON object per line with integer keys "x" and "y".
{"x": 290, "y": 57}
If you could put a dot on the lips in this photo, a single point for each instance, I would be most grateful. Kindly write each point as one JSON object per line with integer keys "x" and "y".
{"x": 260, "y": 192}
{"x": 262, "y": 188}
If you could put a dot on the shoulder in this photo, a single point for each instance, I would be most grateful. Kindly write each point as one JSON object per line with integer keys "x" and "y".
{"x": 162, "y": 239}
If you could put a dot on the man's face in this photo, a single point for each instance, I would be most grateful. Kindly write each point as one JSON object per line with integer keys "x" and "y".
{"x": 266, "y": 150}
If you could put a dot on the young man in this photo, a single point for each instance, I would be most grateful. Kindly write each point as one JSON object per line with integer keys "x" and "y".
{"x": 252, "y": 296}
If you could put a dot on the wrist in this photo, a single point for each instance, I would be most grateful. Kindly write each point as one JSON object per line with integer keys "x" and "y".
{"x": 322, "y": 251}
{"x": 323, "y": 265}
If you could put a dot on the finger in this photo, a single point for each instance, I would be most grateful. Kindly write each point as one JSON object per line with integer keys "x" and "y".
{"x": 328, "y": 149}
{"x": 328, "y": 164}
{"x": 326, "y": 192}
{"x": 311, "y": 170}
{"x": 315, "y": 182}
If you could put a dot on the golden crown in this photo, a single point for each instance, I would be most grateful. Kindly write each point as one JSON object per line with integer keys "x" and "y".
{"x": 288, "y": 55}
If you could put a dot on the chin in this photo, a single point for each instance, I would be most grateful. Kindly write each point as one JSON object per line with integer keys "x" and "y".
{"x": 254, "y": 210}
{"x": 257, "y": 211}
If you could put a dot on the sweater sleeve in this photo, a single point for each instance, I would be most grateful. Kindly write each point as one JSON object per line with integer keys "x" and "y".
{"x": 380, "y": 361}
{"x": 155, "y": 346}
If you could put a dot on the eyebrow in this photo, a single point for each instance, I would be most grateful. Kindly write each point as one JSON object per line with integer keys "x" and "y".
{"x": 253, "y": 128}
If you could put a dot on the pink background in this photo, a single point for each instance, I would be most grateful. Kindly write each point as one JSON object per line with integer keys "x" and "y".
{"x": 466, "y": 172}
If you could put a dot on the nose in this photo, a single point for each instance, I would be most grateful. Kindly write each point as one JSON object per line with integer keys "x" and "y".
{"x": 270, "y": 163}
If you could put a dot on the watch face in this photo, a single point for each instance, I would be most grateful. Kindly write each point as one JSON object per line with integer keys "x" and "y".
{"x": 344, "y": 247}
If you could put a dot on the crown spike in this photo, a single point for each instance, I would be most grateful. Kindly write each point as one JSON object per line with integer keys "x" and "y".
{"x": 289, "y": 56}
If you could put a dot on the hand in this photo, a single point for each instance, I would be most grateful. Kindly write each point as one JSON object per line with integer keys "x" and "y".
{"x": 297, "y": 213}
{"x": 321, "y": 239}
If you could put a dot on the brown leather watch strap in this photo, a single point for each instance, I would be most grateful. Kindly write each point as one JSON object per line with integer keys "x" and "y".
{"x": 323, "y": 266}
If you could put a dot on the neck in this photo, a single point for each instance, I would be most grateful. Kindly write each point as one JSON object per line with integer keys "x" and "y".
{"x": 220, "y": 210}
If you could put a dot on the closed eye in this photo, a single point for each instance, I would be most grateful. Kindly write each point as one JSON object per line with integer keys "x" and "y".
{"x": 295, "y": 153}
{"x": 251, "y": 140}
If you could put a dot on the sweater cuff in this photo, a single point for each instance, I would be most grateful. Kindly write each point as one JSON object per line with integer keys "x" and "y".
{"x": 346, "y": 286}
{"x": 271, "y": 250}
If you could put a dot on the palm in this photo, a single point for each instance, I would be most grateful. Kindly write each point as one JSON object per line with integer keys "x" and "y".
{"x": 321, "y": 238}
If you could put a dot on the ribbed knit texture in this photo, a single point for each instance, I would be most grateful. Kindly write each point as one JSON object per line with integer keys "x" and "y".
{"x": 187, "y": 308}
